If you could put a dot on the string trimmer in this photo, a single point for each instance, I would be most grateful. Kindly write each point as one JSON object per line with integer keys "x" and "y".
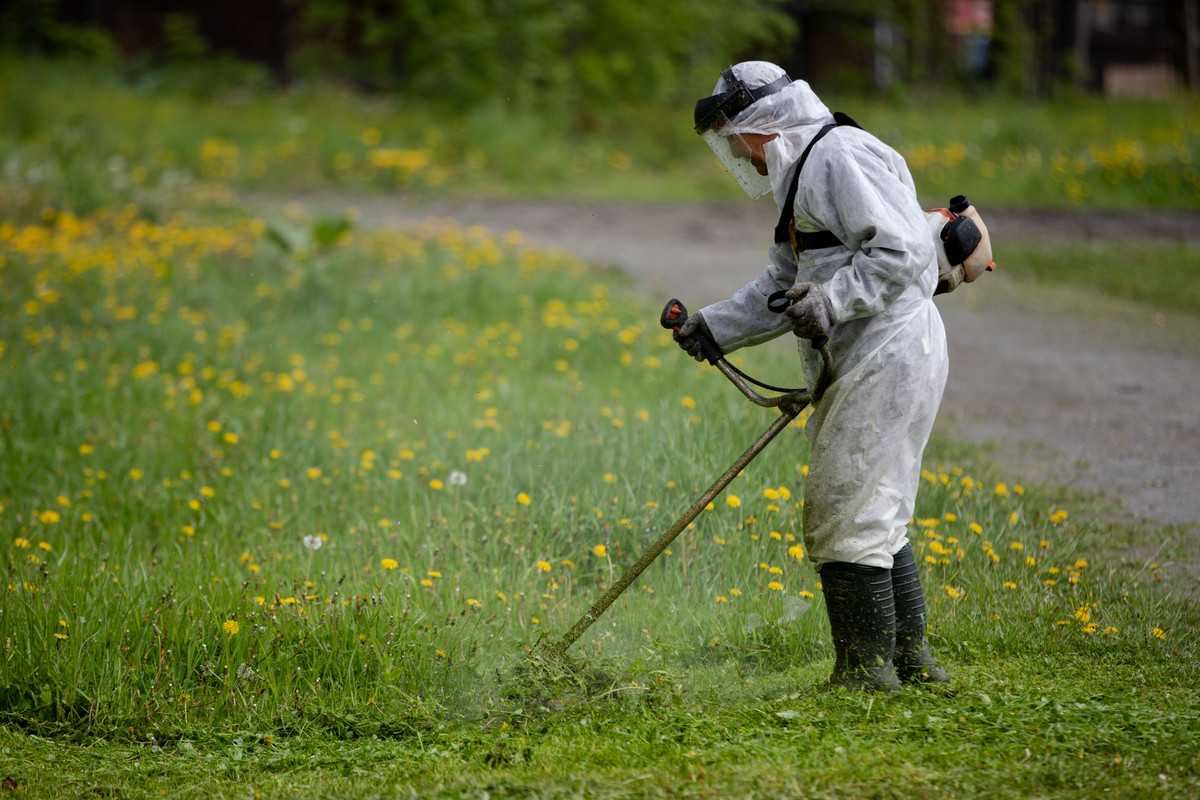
{"x": 790, "y": 402}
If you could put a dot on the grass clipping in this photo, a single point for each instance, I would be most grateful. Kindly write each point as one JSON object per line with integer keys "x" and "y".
{"x": 547, "y": 677}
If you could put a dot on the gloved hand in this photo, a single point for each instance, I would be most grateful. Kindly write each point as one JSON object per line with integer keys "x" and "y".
{"x": 693, "y": 324}
{"x": 811, "y": 310}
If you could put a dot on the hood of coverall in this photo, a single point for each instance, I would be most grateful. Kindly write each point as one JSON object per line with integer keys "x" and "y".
{"x": 794, "y": 113}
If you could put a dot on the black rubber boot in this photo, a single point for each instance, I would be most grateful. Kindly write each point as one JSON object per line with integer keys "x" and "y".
{"x": 912, "y": 659}
{"x": 862, "y": 617}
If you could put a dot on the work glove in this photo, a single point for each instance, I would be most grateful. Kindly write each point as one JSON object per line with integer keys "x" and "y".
{"x": 684, "y": 336}
{"x": 811, "y": 311}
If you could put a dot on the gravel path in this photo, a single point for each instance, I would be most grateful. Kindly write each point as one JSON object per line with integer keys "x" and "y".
{"x": 1085, "y": 397}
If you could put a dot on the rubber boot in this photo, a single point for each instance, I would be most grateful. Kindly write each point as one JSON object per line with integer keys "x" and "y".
{"x": 862, "y": 617}
{"x": 912, "y": 658}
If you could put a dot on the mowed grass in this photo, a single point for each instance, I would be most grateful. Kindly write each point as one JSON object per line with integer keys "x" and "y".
{"x": 288, "y": 505}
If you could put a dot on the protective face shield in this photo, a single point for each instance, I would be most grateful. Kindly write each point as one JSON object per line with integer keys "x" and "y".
{"x": 734, "y": 155}
{"x": 714, "y": 113}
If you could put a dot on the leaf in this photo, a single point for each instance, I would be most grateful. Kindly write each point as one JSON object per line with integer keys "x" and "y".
{"x": 789, "y": 714}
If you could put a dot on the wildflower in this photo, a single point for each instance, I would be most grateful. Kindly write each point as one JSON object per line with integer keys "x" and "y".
{"x": 733, "y": 501}
{"x": 433, "y": 573}
{"x": 313, "y": 473}
{"x": 953, "y": 592}
{"x": 1159, "y": 633}
{"x": 435, "y": 484}
{"x": 544, "y": 566}
{"x": 231, "y": 627}
{"x": 721, "y": 599}
{"x": 389, "y": 563}
{"x": 440, "y": 654}
{"x": 259, "y": 600}
{"x": 975, "y": 528}
{"x": 313, "y": 542}
{"x": 1009, "y": 585}
{"x": 734, "y": 592}
{"x": 21, "y": 543}
{"x": 136, "y": 474}
{"x": 600, "y": 551}
{"x": 458, "y": 478}
{"x": 523, "y": 499}
{"x": 770, "y": 494}
{"x": 689, "y": 402}
{"x": 775, "y": 586}
{"x": 1017, "y": 546}
{"x": 1002, "y": 490}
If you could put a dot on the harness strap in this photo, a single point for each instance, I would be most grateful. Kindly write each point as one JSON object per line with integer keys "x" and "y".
{"x": 786, "y": 229}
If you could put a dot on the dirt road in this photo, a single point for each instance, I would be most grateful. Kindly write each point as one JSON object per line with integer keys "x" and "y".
{"x": 1085, "y": 397}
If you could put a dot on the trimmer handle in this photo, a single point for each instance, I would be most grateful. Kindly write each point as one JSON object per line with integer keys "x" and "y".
{"x": 674, "y": 314}
{"x": 779, "y": 303}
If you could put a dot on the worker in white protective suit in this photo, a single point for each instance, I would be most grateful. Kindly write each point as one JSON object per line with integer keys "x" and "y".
{"x": 857, "y": 264}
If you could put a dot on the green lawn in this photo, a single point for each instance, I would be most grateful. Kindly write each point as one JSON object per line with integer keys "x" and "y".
{"x": 287, "y": 507}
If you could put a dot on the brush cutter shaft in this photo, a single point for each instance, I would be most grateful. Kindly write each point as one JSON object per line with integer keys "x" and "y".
{"x": 787, "y": 413}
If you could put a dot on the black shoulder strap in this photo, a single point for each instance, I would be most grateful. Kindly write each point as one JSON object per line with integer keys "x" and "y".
{"x": 783, "y": 231}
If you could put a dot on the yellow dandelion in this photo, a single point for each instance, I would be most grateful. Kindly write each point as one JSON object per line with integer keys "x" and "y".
{"x": 600, "y": 551}
{"x": 775, "y": 586}
{"x": 523, "y": 499}
{"x": 544, "y": 566}
{"x": 733, "y": 501}
{"x": 231, "y": 627}
{"x": 389, "y": 563}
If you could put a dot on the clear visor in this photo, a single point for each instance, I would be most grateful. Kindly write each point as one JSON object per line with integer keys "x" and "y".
{"x": 735, "y": 157}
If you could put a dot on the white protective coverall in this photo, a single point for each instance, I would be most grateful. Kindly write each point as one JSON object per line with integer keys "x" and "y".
{"x": 888, "y": 345}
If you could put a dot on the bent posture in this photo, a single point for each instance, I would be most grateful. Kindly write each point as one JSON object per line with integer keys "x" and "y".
{"x": 854, "y": 256}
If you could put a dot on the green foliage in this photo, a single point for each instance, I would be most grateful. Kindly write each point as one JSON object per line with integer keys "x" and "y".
{"x": 571, "y": 59}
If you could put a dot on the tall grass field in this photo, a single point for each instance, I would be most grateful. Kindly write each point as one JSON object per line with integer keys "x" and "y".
{"x": 291, "y": 508}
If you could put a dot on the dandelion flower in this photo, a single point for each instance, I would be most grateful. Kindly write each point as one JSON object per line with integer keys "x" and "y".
{"x": 775, "y": 586}
{"x": 231, "y": 627}
{"x": 733, "y": 501}
{"x": 389, "y": 563}
{"x": 435, "y": 484}
{"x": 600, "y": 550}
{"x": 544, "y": 566}
{"x": 458, "y": 478}
{"x": 523, "y": 499}
{"x": 1159, "y": 633}
{"x": 313, "y": 542}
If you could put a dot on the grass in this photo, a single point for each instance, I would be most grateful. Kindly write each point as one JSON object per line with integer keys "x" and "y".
{"x": 287, "y": 505}
{"x": 195, "y": 403}
{"x": 81, "y": 138}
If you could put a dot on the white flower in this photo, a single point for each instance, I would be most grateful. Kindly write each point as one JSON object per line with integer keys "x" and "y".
{"x": 313, "y": 542}
{"x": 458, "y": 478}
